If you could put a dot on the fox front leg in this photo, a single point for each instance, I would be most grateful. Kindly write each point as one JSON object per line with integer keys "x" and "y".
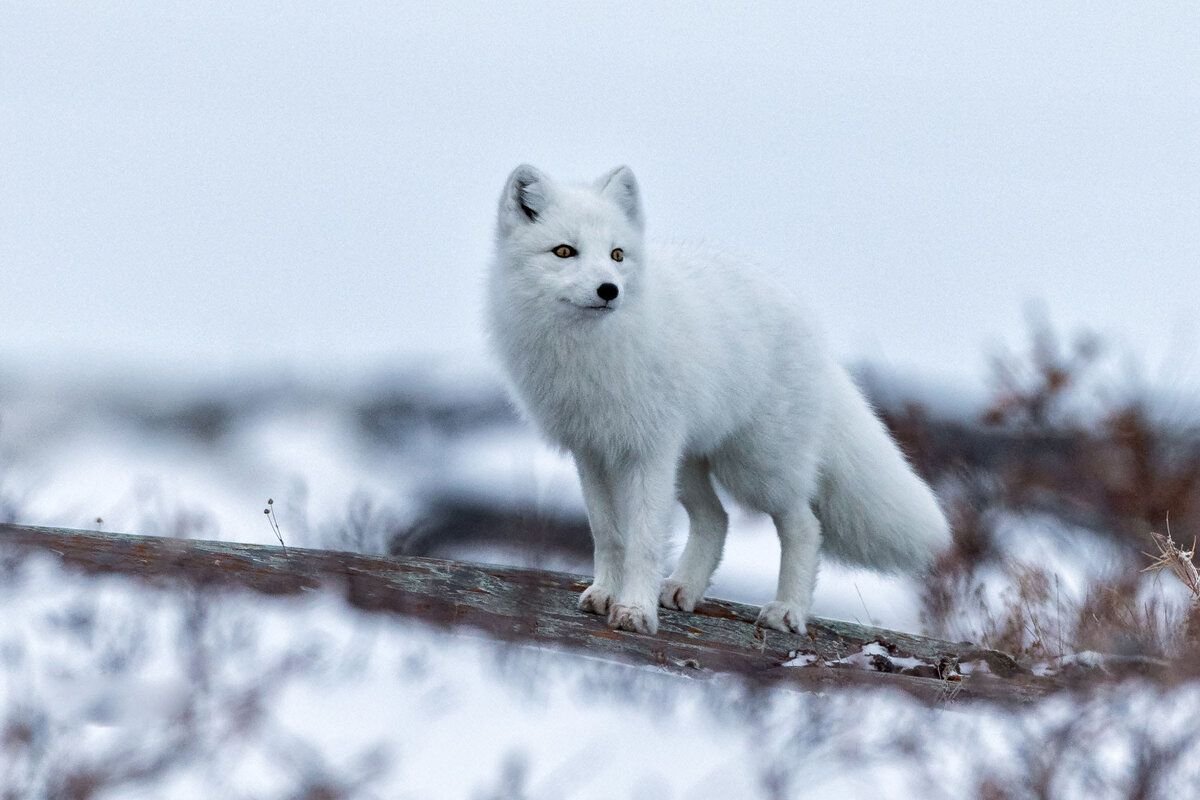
{"x": 608, "y": 551}
{"x": 644, "y": 494}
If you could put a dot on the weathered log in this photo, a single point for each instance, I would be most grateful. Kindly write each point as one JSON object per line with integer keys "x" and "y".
{"x": 539, "y": 607}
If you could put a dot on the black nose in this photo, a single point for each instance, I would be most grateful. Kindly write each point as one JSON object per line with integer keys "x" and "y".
{"x": 608, "y": 291}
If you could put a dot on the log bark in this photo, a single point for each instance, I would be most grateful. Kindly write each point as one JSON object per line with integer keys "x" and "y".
{"x": 539, "y": 607}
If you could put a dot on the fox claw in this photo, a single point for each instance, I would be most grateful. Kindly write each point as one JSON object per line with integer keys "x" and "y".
{"x": 676, "y": 594}
{"x": 781, "y": 616}
{"x": 595, "y": 600}
{"x": 633, "y": 618}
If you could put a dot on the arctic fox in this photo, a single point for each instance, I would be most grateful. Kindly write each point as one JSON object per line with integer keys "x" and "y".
{"x": 661, "y": 368}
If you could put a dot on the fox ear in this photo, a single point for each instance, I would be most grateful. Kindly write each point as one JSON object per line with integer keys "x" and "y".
{"x": 621, "y": 187}
{"x": 525, "y": 196}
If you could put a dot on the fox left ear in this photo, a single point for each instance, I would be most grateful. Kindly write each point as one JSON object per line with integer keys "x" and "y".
{"x": 621, "y": 187}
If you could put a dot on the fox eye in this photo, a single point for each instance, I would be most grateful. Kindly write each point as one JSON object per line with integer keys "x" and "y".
{"x": 565, "y": 251}
{"x": 618, "y": 254}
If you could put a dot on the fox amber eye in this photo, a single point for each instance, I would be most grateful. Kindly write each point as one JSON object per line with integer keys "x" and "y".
{"x": 565, "y": 251}
{"x": 618, "y": 254}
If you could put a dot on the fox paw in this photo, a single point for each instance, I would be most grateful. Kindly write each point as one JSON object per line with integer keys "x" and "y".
{"x": 677, "y": 594}
{"x": 633, "y": 618}
{"x": 781, "y": 616}
{"x": 595, "y": 600}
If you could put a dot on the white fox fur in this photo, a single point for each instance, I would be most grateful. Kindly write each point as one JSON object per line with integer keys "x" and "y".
{"x": 697, "y": 368}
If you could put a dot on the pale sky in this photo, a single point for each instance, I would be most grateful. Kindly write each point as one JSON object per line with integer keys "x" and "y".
{"x": 209, "y": 187}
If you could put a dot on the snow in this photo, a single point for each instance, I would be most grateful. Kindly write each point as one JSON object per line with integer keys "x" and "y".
{"x": 867, "y": 658}
{"x": 292, "y": 692}
{"x": 980, "y": 667}
{"x": 1075, "y": 563}
{"x": 801, "y": 659}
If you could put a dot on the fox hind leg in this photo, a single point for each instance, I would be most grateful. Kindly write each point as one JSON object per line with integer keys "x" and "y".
{"x": 799, "y": 544}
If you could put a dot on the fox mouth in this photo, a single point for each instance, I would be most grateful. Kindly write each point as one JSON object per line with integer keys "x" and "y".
{"x": 602, "y": 307}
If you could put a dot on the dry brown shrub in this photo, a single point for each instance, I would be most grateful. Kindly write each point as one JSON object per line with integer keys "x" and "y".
{"x": 1060, "y": 440}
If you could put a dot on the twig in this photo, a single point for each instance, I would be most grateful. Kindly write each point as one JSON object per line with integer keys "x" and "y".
{"x": 1181, "y": 563}
{"x": 270, "y": 512}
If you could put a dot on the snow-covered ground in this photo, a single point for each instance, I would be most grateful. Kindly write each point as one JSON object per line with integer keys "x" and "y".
{"x": 140, "y": 693}
{"x": 349, "y": 464}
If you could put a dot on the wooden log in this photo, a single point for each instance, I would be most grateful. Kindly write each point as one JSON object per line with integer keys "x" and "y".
{"x": 539, "y": 607}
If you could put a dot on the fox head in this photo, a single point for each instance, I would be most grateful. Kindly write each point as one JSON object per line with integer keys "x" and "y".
{"x": 573, "y": 248}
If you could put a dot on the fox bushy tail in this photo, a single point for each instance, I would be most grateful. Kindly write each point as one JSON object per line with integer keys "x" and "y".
{"x": 874, "y": 509}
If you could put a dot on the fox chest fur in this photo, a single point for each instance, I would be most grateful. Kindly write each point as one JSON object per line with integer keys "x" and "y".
{"x": 593, "y": 389}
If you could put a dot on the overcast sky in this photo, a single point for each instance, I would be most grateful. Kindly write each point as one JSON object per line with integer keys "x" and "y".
{"x": 210, "y": 187}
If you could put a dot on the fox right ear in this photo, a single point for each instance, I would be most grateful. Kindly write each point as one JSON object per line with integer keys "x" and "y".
{"x": 525, "y": 196}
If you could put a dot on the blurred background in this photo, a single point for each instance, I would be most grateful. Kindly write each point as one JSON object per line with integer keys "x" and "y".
{"x": 243, "y": 248}
{"x": 242, "y": 251}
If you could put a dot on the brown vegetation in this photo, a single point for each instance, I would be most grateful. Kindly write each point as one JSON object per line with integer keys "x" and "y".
{"x": 1061, "y": 443}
